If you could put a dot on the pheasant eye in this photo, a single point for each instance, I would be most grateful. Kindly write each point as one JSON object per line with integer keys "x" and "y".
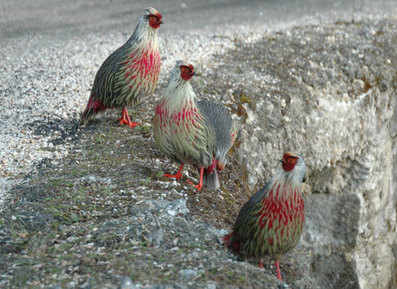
{"x": 153, "y": 18}
{"x": 185, "y": 69}
{"x": 154, "y": 21}
{"x": 186, "y": 72}
{"x": 292, "y": 160}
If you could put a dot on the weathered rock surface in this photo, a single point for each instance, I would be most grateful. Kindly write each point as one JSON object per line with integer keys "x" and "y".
{"x": 104, "y": 218}
{"x": 328, "y": 93}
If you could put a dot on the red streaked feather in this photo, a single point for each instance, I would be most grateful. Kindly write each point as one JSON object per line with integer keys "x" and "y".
{"x": 146, "y": 66}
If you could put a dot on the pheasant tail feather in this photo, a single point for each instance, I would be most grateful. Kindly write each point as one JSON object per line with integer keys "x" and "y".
{"x": 211, "y": 180}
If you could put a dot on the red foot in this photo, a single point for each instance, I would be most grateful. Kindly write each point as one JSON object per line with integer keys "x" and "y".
{"x": 260, "y": 265}
{"x": 277, "y": 263}
{"x": 199, "y": 185}
{"x": 125, "y": 119}
{"x": 178, "y": 175}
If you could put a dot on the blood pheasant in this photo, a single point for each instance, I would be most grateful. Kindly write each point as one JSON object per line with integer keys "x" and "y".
{"x": 271, "y": 222}
{"x": 190, "y": 131}
{"x": 129, "y": 72}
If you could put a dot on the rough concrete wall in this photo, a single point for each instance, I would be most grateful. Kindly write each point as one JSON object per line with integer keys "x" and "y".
{"x": 331, "y": 97}
{"x": 393, "y": 281}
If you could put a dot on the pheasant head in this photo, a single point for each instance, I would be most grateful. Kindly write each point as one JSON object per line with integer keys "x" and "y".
{"x": 293, "y": 168}
{"x": 153, "y": 17}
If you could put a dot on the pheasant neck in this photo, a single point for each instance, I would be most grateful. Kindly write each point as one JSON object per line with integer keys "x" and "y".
{"x": 280, "y": 190}
{"x": 293, "y": 178}
{"x": 143, "y": 34}
{"x": 140, "y": 62}
{"x": 143, "y": 41}
{"x": 180, "y": 96}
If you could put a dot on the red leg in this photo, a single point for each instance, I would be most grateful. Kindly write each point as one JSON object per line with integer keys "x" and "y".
{"x": 125, "y": 119}
{"x": 260, "y": 265}
{"x": 177, "y": 176}
{"x": 200, "y": 185}
{"x": 277, "y": 263}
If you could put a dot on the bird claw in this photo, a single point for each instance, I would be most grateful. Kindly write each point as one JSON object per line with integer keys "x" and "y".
{"x": 131, "y": 124}
{"x": 125, "y": 119}
{"x": 177, "y": 176}
{"x": 198, "y": 187}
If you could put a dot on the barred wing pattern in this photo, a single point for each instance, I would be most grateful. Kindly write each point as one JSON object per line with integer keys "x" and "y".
{"x": 219, "y": 118}
{"x": 124, "y": 76}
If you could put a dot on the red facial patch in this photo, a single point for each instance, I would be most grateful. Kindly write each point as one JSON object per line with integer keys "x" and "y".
{"x": 187, "y": 71}
{"x": 289, "y": 162}
{"x": 155, "y": 20}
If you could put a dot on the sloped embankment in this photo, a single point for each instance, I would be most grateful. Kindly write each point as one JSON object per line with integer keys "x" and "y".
{"x": 105, "y": 217}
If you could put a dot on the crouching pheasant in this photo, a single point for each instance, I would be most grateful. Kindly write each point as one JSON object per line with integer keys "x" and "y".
{"x": 271, "y": 222}
{"x": 129, "y": 72}
{"x": 190, "y": 131}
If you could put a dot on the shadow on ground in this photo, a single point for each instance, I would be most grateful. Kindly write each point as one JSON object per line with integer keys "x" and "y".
{"x": 105, "y": 212}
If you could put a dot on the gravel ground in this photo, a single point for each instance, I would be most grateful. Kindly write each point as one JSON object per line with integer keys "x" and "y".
{"x": 45, "y": 83}
{"x": 45, "y": 79}
{"x": 43, "y": 88}
{"x": 93, "y": 211}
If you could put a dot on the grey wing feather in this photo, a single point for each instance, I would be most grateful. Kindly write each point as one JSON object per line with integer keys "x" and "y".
{"x": 105, "y": 85}
{"x": 250, "y": 207}
{"x": 221, "y": 122}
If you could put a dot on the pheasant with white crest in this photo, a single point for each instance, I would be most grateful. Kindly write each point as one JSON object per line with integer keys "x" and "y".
{"x": 191, "y": 131}
{"x": 128, "y": 73}
{"x": 271, "y": 222}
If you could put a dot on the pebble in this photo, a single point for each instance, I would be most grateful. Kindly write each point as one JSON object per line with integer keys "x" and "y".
{"x": 44, "y": 88}
{"x": 127, "y": 283}
{"x": 187, "y": 274}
